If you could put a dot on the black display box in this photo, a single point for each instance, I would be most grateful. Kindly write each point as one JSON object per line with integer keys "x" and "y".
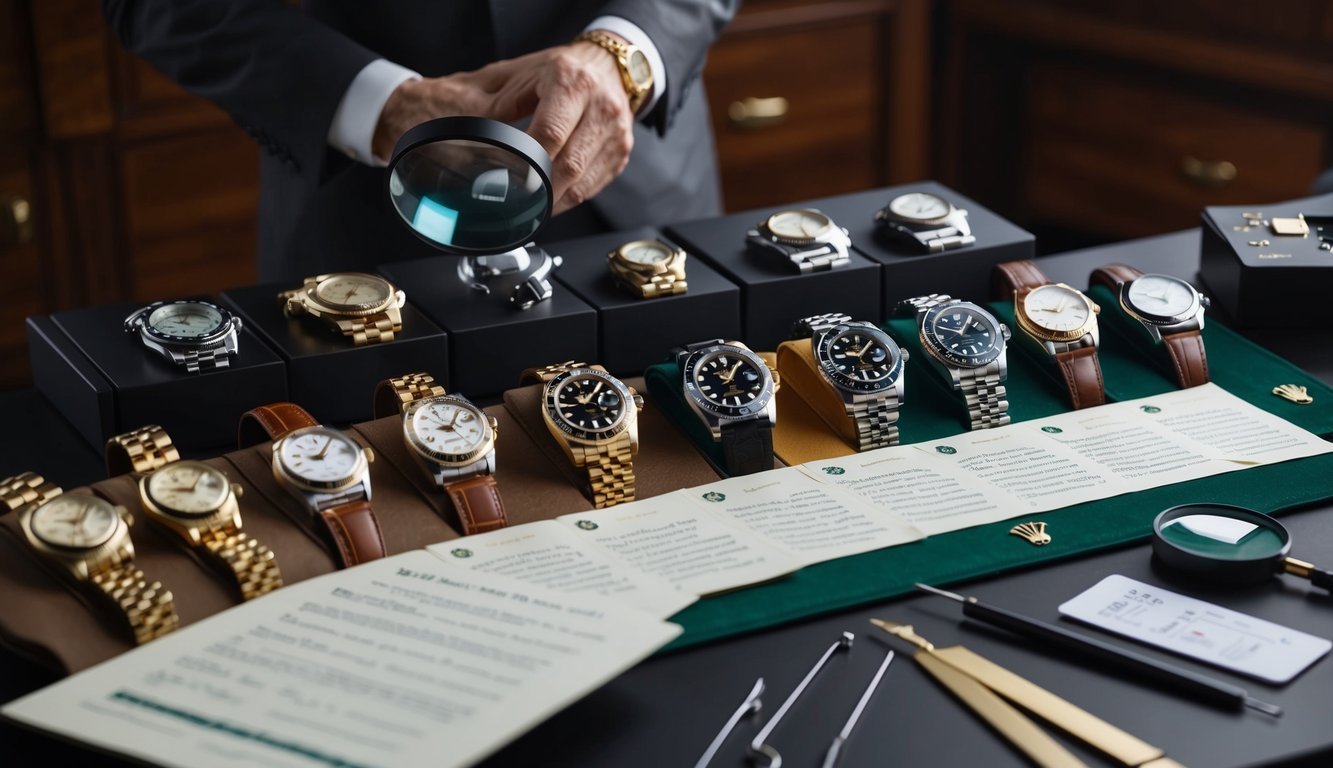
{"x": 490, "y": 341}
{"x": 773, "y": 294}
{"x": 1262, "y": 279}
{"x": 632, "y": 332}
{"x": 963, "y": 273}
{"x": 105, "y": 381}
{"x": 327, "y": 374}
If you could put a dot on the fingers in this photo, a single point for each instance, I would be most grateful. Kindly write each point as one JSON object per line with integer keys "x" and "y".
{"x": 596, "y": 152}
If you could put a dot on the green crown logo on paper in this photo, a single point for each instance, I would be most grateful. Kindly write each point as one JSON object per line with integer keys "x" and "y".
{"x": 1052, "y": 430}
{"x": 947, "y": 450}
{"x": 461, "y": 553}
{"x": 834, "y": 471}
{"x": 1150, "y": 409}
{"x": 714, "y": 496}
{"x": 586, "y": 525}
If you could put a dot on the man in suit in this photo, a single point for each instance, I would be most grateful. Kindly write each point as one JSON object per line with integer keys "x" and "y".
{"x": 328, "y": 89}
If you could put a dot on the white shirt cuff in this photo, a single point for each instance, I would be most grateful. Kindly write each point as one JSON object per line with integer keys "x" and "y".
{"x": 636, "y": 36}
{"x": 352, "y": 131}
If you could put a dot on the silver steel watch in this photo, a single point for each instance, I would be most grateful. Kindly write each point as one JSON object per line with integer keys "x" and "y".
{"x": 196, "y": 335}
{"x": 802, "y": 237}
{"x": 966, "y": 345}
{"x": 926, "y": 220}
{"x": 864, "y": 366}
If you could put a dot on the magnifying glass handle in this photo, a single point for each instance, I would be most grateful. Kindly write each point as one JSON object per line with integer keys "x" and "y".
{"x": 1317, "y": 576}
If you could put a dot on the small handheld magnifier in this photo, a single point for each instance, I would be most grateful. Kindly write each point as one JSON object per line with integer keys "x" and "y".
{"x": 1227, "y": 543}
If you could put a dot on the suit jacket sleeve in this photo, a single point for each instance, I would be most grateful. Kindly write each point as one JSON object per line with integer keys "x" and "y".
{"x": 279, "y": 73}
{"x": 682, "y": 30}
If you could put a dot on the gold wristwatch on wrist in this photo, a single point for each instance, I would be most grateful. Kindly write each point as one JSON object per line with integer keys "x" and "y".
{"x": 649, "y": 268}
{"x": 636, "y": 75}
{"x": 367, "y": 308}
{"x": 87, "y": 539}
{"x": 197, "y": 503}
{"x": 595, "y": 419}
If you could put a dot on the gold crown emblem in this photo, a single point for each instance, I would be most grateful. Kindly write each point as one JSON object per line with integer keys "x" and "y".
{"x": 1293, "y": 392}
{"x": 1034, "y": 532}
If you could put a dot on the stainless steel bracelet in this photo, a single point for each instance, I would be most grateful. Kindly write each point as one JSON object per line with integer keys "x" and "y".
{"x": 197, "y": 360}
{"x": 809, "y": 326}
{"x": 876, "y": 420}
{"x": 986, "y": 397}
{"x": 830, "y": 256}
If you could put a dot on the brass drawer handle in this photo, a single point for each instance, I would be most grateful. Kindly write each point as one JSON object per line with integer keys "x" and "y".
{"x": 751, "y": 113}
{"x": 16, "y": 223}
{"x": 1208, "y": 173}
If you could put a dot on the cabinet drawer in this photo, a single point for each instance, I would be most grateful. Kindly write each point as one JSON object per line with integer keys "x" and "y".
{"x": 1124, "y": 158}
{"x": 824, "y": 142}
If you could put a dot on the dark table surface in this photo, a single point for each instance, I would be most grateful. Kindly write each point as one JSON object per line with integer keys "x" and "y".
{"x": 665, "y": 711}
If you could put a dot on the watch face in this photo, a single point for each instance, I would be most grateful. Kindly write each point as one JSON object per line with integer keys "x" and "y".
{"x": 919, "y": 206}
{"x": 354, "y": 291}
{"x": 963, "y": 334}
{"x": 1162, "y": 297}
{"x": 448, "y": 429}
{"x": 639, "y": 68}
{"x": 646, "y": 252}
{"x": 320, "y": 458}
{"x": 74, "y": 520}
{"x": 729, "y": 381}
{"x": 860, "y": 358}
{"x": 1057, "y": 308}
{"x": 186, "y": 320}
{"x": 188, "y": 488}
{"x": 799, "y": 225}
{"x": 589, "y": 404}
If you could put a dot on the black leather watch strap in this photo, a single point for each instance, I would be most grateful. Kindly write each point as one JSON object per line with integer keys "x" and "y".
{"x": 747, "y": 447}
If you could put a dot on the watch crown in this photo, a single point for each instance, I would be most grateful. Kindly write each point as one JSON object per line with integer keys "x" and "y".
{"x": 237, "y": 490}
{"x": 370, "y": 454}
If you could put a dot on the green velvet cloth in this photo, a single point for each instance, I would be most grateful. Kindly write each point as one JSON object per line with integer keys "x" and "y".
{"x": 931, "y": 410}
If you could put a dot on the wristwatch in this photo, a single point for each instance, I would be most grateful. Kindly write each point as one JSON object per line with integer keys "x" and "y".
{"x": 197, "y": 503}
{"x": 649, "y": 268}
{"x": 1169, "y": 310}
{"x": 636, "y": 74}
{"x": 927, "y": 221}
{"x": 731, "y": 390}
{"x": 966, "y": 345}
{"x": 864, "y": 367}
{"x": 365, "y": 307}
{"x": 595, "y": 419}
{"x": 87, "y": 540}
{"x": 196, "y": 335}
{"x": 326, "y": 471}
{"x": 802, "y": 237}
{"x": 453, "y": 441}
{"x": 1059, "y": 322}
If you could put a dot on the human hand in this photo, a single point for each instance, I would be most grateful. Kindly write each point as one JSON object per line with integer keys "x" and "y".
{"x": 580, "y": 113}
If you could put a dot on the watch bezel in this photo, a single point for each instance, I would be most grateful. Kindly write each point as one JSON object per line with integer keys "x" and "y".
{"x": 285, "y": 474}
{"x": 551, "y": 395}
{"x": 766, "y": 227}
{"x": 620, "y": 261}
{"x": 157, "y": 506}
{"x": 139, "y": 321}
{"x": 1036, "y": 330}
{"x": 414, "y": 440}
{"x": 932, "y": 343}
{"x": 823, "y": 356}
{"x": 728, "y": 412}
{"x": 311, "y": 294}
{"x": 888, "y": 214}
{"x": 1153, "y": 318}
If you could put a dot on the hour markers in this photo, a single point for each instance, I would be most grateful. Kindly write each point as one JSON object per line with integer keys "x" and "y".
{"x": 705, "y": 387}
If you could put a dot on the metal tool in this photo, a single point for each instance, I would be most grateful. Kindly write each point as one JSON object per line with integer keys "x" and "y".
{"x": 835, "y": 749}
{"x": 760, "y": 750}
{"x": 750, "y": 706}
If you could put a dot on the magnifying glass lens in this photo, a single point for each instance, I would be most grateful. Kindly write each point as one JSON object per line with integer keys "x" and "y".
{"x": 1220, "y": 542}
{"x": 1223, "y": 538}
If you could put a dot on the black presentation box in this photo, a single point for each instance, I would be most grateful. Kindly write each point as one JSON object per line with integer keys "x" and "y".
{"x": 773, "y": 294}
{"x": 633, "y": 333}
{"x": 327, "y": 374}
{"x": 963, "y": 273}
{"x": 105, "y": 381}
{"x": 490, "y": 341}
{"x": 1263, "y": 279}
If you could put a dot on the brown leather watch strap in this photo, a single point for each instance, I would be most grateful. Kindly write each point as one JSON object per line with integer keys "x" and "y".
{"x": 1113, "y": 275}
{"x": 478, "y": 502}
{"x": 270, "y": 422}
{"x": 355, "y": 532}
{"x": 1021, "y": 275}
{"x": 1187, "y": 357}
{"x": 1082, "y": 371}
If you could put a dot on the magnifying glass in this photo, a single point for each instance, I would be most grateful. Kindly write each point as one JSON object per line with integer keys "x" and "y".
{"x": 1228, "y": 543}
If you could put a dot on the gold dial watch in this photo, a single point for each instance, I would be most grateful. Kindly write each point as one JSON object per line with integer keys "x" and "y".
{"x": 87, "y": 539}
{"x": 453, "y": 440}
{"x": 367, "y": 308}
{"x": 197, "y": 503}
{"x": 649, "y": 268}
{"x": 595, "y": 419}
{"x": 636, "y": 74}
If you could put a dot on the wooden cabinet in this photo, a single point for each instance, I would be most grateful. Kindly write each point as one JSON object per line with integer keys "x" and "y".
{"x": 1103, "y": 121}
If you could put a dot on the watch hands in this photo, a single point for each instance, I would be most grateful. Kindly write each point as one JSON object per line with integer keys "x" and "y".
{"x": 320, "y": 456}
{"x": 585, "y": 399}
{"x": 732, "y": 373}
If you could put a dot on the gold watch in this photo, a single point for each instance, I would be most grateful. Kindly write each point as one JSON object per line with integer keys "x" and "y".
{"x": 595, "y": 419}
{"x": 649, "y": 268}
{"x": 363, "y": 306}
{"x": 197, "y": 503}
{"x": 87, "y": 539}
{"x": 635, "y": 72}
